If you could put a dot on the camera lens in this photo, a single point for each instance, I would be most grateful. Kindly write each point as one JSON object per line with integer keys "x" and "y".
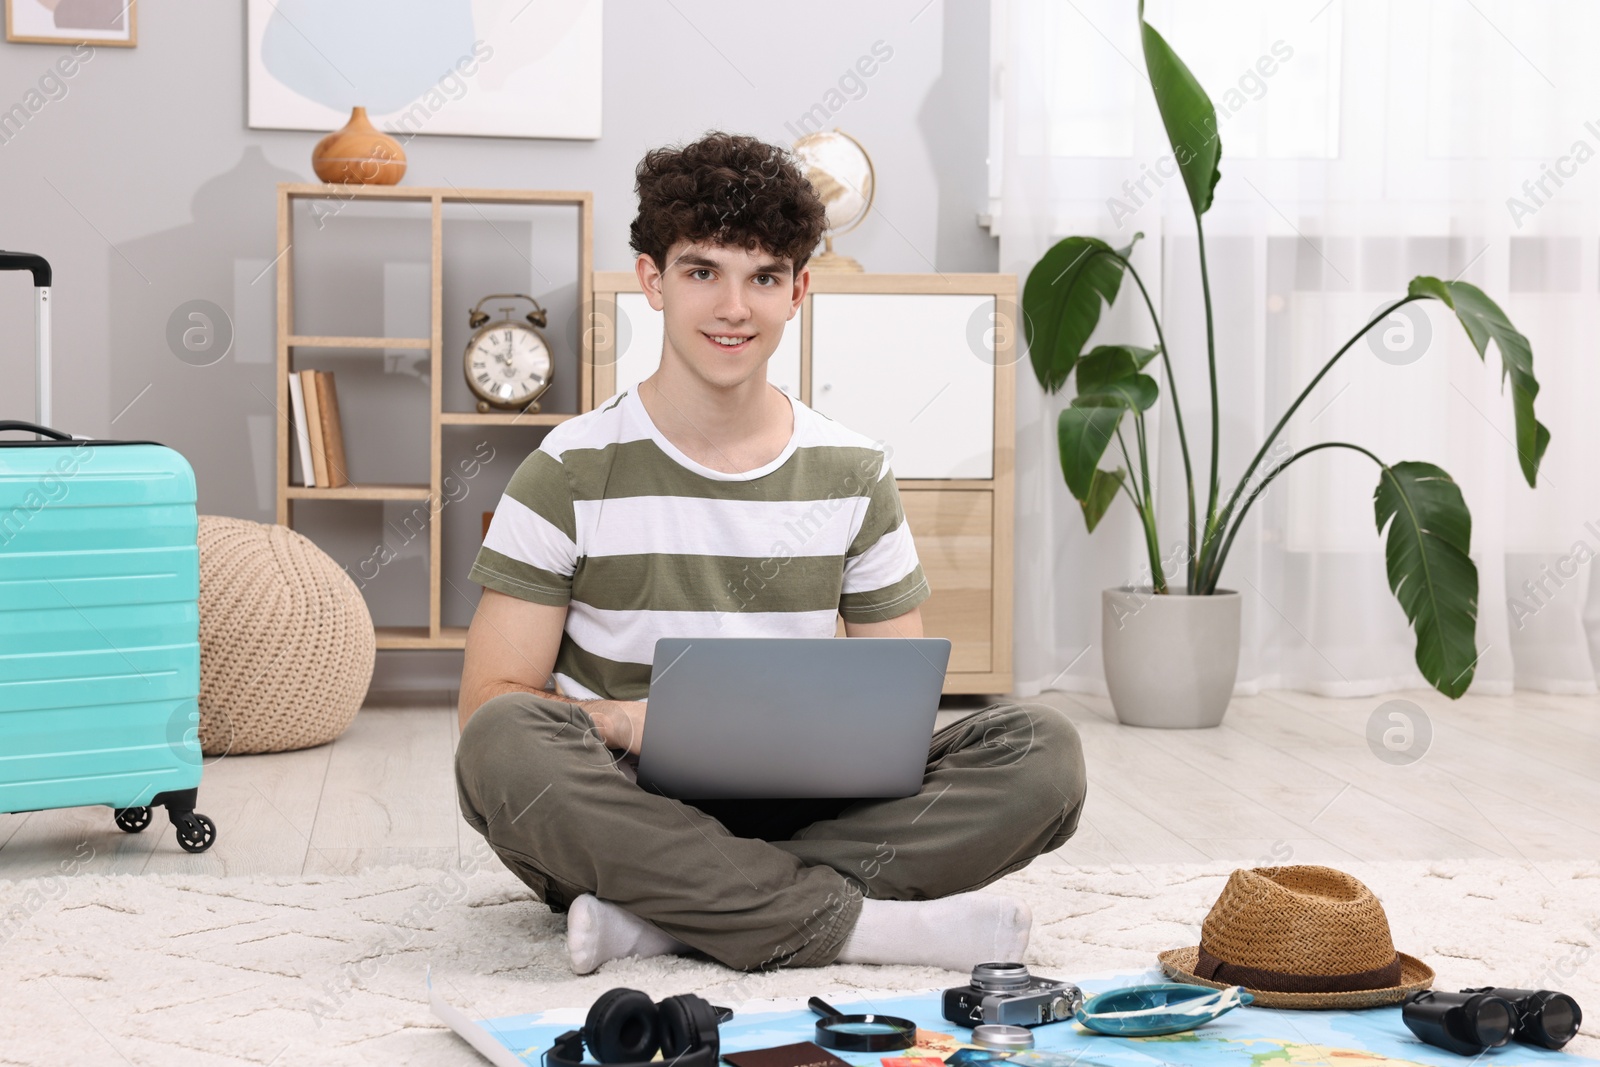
{"x": 1008, "y": 1038}
{"x": 1000, "y": 977}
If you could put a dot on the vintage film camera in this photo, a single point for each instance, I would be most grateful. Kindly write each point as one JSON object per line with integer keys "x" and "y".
{"x": 1006, "y": 994}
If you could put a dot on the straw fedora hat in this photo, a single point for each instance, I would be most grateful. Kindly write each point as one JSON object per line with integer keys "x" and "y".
{"x": 1299, "y": 937}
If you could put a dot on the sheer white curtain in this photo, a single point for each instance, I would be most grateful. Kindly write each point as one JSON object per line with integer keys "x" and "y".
{"x": 1363, "y": 142}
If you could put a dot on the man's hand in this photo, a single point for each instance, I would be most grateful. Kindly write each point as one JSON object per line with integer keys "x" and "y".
{"x": 620, "y": 723}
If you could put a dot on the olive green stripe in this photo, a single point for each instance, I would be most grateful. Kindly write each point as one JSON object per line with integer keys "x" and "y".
{"x": 540, "y": 484}
{"x": 862, "y": 543}
{"x": 519, "y": 579}
{"x": 612, "y": 679}
{"x": 656, "y": 581}
{"x": 883, "y": 516}
{"x": 640, "y": 468}
{"x": 887, "y": 603}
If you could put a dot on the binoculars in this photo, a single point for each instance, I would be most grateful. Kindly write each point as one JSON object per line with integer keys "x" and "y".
{"x": 1473, "y": 1020}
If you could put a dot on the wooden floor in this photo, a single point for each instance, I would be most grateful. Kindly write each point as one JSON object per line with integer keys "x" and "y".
{"x": 1288, "y": 777}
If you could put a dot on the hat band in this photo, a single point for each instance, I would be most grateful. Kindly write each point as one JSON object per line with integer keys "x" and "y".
{"x": 1213, "y": 969}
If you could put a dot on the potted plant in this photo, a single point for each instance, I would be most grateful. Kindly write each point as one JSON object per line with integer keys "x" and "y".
{"x": 1171, "y": 654}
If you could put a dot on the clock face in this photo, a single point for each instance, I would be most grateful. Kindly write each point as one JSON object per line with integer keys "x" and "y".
{"x": 508, "y": 364}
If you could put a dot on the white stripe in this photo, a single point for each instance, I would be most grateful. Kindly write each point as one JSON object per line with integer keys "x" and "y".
{"x": 630, "y": 636}
{"x": 524, "y": 535}
{"x": 819, "y": 429}
{"x": 892, "y": 558}
{"x": 600, "y": 427}
{"x": 592, "y": 429}
{"x": 697, "y": 526}
{"x": 570, "y": 688}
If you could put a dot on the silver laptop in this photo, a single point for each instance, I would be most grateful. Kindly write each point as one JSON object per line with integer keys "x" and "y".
{"x": 791, "y": 716}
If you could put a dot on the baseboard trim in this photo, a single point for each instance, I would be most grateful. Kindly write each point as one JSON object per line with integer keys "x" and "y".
{"x": 410, "y": 698}
{"x": 415, "y": 675}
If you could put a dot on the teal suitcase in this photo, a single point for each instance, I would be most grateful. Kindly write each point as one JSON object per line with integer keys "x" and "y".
{"x": 99, "y": 621}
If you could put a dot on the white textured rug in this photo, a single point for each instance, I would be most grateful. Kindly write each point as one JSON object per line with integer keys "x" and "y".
{"x": 176, "y": 969}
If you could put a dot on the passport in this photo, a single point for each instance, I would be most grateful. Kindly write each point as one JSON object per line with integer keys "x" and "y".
{"x": 799, "y": 1054}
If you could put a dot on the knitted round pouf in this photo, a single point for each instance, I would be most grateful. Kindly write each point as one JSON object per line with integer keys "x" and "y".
{"x": 286, "y": 641}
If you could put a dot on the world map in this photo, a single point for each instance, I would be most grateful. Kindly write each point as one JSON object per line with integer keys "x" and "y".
{"x": 1245, "y": 1037}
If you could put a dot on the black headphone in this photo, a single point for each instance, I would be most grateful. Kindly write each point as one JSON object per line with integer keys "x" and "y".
{"x": 626, "y": 1028}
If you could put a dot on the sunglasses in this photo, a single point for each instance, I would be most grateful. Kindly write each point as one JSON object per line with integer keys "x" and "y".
{"x": 1161, "y": 1008}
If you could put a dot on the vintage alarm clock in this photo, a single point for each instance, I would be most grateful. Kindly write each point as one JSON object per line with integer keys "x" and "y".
{"x": 508, "y": 363}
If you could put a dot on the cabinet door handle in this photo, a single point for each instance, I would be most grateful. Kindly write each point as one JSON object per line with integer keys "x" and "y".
{"x": 826, "y": 386}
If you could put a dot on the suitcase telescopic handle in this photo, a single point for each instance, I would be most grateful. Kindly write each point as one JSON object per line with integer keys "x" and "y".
{"x": 29, "y": 427}
{"x": 39, "y": 267}
{"x": 27, "y": 261}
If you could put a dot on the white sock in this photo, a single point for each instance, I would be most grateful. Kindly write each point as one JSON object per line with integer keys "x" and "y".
{"x": 599, "y": 932}
{"x": 952, "y": 932}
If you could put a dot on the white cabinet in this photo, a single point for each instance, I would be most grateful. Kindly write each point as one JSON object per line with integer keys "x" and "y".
{"x": 640, "y": 329}
{"x": 915, "y": 370}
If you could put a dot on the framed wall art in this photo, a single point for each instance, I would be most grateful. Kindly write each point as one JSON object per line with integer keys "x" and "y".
{"x": 490, "y": 68}
{"x": 103, "y": 22}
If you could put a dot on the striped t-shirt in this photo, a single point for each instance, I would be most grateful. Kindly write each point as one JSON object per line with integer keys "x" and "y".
{"x": 610, "y": 518}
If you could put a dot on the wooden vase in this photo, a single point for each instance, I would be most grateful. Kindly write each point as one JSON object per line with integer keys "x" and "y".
{"x": 359, "y": 154}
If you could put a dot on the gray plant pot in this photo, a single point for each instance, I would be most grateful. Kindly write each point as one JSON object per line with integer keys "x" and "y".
{"x": 1170, "y": 660}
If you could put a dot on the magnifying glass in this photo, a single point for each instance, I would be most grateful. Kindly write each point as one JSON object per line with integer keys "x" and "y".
{"x": 861, "y": 1033}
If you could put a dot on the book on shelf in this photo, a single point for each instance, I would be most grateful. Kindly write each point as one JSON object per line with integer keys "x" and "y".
{"x": 324, "y": 432}
{"x": 302, "y": 437}
{"x": 332, "y": 430}
{"x": 308, "y": 387}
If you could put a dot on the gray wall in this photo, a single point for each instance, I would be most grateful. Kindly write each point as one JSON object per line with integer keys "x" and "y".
{"x": 144, "y": 187}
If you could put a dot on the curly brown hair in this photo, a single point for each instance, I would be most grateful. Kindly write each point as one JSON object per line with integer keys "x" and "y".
{"x": 728, "y": 189}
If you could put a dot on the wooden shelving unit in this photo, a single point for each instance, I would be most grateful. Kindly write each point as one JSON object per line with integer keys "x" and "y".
{"x": 359, "y": 342}
{"x": 433, "y": 635}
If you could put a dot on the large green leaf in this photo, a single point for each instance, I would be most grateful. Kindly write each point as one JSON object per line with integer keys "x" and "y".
{"x": 1484, "y": 322}
{"x": 1102, "y": 491}
{"x": 1188, "y": 115}
{"x": 1083, "y": 434}
{"x": 1109, "y": 376}
{"x": 1430, "y": 534}
{"x": 1061, "y": 303}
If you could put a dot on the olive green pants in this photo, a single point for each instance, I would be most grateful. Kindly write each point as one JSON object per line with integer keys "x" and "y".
{"x": 758, "y": 884}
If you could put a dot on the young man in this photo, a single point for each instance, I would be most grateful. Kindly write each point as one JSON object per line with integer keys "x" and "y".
{"x": 707, "y": 502}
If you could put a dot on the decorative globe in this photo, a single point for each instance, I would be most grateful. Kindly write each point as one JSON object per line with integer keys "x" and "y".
{"x": 841, "y": 172}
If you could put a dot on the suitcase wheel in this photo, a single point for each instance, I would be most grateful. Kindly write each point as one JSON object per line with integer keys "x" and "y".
{"x": 132, "y": 820}
{"x": 196, "y": 833}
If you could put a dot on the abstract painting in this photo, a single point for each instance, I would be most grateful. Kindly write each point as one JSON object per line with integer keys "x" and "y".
{"x": 489, "y": 68}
